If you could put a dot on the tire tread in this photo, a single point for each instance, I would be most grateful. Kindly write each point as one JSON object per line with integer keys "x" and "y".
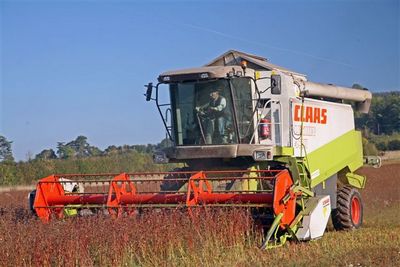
{"x": 341, "y": 216}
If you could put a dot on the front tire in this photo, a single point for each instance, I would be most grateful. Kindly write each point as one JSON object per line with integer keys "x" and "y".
{"x": 31, "y": 201}
{"x": 348, "y": 214}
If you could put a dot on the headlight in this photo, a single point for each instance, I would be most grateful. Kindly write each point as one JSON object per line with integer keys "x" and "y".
{"x": 262, "y": 155}
{"x": 204, "y": 76}
{"x": 160, "y": 158}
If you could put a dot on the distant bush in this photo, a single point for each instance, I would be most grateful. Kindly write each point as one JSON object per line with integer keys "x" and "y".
{"x": 384, "y": 142}
{"x": 394, "y": 145}
{"x": 382, "y": 146}
{"x": 29, "y": 172}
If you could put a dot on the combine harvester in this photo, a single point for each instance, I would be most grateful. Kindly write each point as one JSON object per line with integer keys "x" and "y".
{"x": 251, "y": 134}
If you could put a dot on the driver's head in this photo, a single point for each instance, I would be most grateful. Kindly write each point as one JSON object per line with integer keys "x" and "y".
{"x": 214, "y": 94}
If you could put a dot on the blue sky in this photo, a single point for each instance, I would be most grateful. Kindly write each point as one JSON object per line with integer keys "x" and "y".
{"x": 72, "y": 68}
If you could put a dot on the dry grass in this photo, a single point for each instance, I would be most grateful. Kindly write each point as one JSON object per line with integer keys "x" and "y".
{"x": 214, "y": 239}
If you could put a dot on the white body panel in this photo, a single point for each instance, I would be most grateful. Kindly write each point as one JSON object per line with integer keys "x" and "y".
{"x": 322, "y": 123}
{"x": 71, "y": 186}
{"x": 315, "y": 223}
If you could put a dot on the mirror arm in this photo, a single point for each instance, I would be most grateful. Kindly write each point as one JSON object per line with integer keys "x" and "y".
{"x": 149, "y": 91}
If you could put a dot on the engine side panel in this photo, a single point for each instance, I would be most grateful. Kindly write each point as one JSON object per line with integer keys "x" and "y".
{"x": 322, "y": 123}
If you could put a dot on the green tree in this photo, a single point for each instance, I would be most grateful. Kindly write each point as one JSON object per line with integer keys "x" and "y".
{"x": 111, "y": 150}
{"x": 65, "y": 151}
{"x": 5, "y": 150}
{"x": 358, "y": 86}
{"x": 78, "y": 148}
{"x": 384, "y": 115}
{"x": 165, "y": 143}
{"x": 46, "y": 154}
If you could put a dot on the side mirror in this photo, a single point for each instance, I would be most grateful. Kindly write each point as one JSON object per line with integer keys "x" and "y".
{"x": 275, "y": 84}
{"x": 149, "y": 91}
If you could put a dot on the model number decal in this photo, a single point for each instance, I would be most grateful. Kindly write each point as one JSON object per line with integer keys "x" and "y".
{"x": 326, "y": 202}
{"x": 315, "y": 174}
{"x": 310, "y": 114}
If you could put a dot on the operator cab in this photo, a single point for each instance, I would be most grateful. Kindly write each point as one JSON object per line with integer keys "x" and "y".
{"x": 198, "y": 119}
{"x": 223, "y": 110}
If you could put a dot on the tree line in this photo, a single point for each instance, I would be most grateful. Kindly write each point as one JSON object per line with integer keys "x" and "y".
{"x": 80, "y": 148}
{"x": 77, "y": 156}
{"x": 384, "y": 115}
{"x": 381, "y": 126}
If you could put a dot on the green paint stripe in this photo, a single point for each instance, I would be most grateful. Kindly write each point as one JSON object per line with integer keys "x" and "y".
{"x": 283, "y": 151}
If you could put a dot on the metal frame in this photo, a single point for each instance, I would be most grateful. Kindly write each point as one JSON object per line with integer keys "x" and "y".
{"x": 127, "y": 191}
{"x": 162, "y": 116}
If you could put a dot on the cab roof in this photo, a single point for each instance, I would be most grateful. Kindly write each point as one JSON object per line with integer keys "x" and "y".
{"x": 234, "y": 57}
{"x": 225, "y": 62}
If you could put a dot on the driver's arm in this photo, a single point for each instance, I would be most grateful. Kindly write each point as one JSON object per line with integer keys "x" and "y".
{"x": 221, "y": 106}
{"x": 203, "y": 107}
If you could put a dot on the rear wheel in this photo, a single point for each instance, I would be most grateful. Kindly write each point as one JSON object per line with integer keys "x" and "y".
{"x": 348, "y": 214}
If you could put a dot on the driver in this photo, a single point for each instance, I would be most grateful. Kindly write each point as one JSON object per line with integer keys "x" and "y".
{"x": 214, "y": 115}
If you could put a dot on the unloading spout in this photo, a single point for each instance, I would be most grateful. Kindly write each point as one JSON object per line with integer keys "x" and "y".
{"x": 361, "y": 97}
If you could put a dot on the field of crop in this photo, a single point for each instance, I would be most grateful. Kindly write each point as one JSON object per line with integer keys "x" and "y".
{"x": 210, "y": 239}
